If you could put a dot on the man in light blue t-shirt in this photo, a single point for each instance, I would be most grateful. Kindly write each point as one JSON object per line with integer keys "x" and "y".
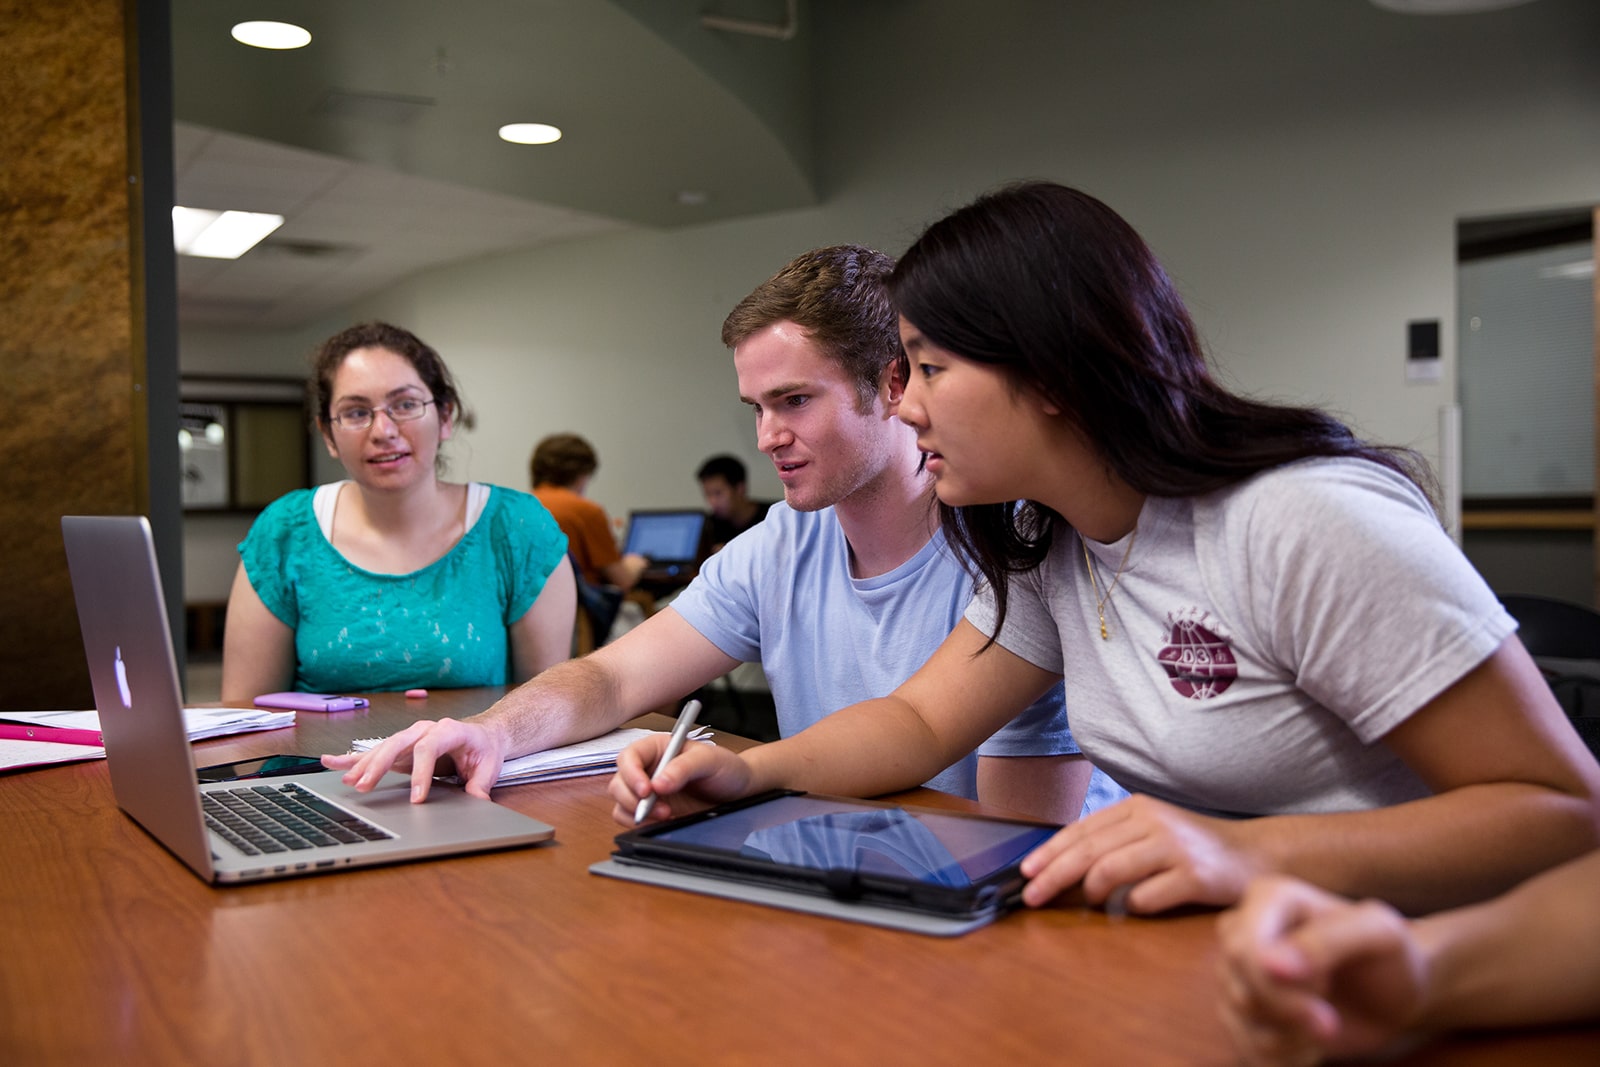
{"x": 841, "y": 592}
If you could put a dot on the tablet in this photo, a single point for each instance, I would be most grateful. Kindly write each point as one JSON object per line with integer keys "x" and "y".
{"x": 945, "y": 863}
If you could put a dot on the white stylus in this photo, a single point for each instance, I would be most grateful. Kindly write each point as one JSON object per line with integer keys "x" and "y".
{"x": 680, "y": 734}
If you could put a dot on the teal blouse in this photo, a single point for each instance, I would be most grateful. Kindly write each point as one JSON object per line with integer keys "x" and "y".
{"x": 445, "y": 626}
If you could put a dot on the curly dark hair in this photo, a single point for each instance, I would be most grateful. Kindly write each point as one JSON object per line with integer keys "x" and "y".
{"x": 330, "y": 356}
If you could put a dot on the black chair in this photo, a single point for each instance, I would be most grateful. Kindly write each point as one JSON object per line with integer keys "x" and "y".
{"x": 1564, "y": 639}
{"x": 1556, "y": 628}
{"x": 597, "y": 611}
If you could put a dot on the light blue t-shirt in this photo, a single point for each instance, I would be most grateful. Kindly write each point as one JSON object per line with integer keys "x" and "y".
{"x": 781, "y": 593}
{"x": 444, "y": 626}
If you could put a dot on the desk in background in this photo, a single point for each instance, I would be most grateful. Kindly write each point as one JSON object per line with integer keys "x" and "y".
{"x": 112, "y": 951}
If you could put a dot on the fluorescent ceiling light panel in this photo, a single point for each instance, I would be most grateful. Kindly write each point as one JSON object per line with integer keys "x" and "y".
{"x": 529, "y": 133}
{"x": 187, "y": 222}
{"x": 219, "y": 234}
{"x": 276, "y": 35}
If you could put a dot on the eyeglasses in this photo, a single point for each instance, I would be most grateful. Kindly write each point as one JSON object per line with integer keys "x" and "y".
{"x": 406, "y": 409}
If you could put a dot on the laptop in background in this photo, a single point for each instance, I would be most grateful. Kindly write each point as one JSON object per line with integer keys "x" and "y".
{"x": 669, "y": 539}
{"x": 218, "y": 829}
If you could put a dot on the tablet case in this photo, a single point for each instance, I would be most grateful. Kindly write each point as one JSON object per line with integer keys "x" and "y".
{"x": 774, "y": 897}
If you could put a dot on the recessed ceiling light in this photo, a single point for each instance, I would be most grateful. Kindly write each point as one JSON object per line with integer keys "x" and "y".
{"x": 279, "y": 35}
{"x": 529, "y": 133}
{"x": 219, "y": 234}
{"x": 693, "y": 197}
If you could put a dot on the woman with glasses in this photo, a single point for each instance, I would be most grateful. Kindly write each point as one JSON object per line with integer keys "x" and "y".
{"x": 394, "y": 578}
{"x": 1264, "y": 632}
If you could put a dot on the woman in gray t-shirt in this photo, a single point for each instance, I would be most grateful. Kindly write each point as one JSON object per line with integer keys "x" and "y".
{"x": 1255, "y": 613}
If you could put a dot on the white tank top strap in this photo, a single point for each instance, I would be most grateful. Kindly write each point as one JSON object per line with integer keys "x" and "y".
{"x": 477, "y": 500}
{"x": 324, "y": 499}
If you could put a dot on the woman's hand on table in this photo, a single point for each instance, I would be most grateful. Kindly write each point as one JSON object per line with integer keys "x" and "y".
{"x": 1161, "y": 854}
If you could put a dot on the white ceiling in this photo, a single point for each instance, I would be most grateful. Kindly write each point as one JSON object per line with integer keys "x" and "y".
{"x": 351, "y": 229}
{"x": 377, "y": 142}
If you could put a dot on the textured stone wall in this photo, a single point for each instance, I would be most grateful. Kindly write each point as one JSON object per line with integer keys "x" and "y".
{"x": 72, "y": 435}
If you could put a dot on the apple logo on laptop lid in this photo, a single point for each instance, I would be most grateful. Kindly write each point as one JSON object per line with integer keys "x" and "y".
{"x": 122, "y": 680}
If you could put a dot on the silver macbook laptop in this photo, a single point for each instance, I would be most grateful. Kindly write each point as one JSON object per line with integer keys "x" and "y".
{"x": 235, "y": 831}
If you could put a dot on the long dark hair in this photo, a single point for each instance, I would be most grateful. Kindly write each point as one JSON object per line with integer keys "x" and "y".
{"x": 1054, "y": 287}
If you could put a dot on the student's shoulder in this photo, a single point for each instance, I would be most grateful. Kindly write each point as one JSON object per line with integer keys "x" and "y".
{"x": 1309, "y": 487}
{"x": 513, "y": 506}
{"x": 786, "y": 535}
{"x": 560, "y": 500}
{"x": 284, "y": 528}
{"x": 289, "y": 509}
{"x": 1327, "y": 503}
{"x": 501, "y": 496}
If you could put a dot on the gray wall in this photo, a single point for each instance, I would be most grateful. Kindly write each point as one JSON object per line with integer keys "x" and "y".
{"x": 1299, "y": 166}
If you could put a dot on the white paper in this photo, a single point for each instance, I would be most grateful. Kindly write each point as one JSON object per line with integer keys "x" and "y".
{"x": 14, "y": 754}
{"x": 200, "y": 723}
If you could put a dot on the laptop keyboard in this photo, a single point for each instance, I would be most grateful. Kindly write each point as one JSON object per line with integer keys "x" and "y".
{"x": 282, "y": 818}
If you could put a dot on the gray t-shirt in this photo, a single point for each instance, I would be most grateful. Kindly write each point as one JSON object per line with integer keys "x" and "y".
{"x": 1263, "y": 639}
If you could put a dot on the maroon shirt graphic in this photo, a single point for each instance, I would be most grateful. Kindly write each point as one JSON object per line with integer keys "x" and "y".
{"x": 1199, "y": 663}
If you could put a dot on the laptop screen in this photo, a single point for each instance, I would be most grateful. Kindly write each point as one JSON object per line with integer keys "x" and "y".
{"x": 665, "y": 536}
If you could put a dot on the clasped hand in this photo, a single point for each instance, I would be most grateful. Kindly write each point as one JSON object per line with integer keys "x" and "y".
{"x": 1163, "y": 855}
{"x": 475, "y": 749}
{"x": 1307, "y": 974}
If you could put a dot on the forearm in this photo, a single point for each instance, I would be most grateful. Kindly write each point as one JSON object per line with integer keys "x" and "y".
{"x": 625, "y": 572}
{"x": 1042, "y": 787}
{"x": 965, "y": 692}
{"x": 1457, "y": 847}
{"x": 1524, "y": 958}
{"x": 570, "y": 702}
{"x": 649, "y": 666}
{"x": 878, "y": 746}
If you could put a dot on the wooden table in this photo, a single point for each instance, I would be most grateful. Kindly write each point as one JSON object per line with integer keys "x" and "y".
{"x": 111, "y": 951}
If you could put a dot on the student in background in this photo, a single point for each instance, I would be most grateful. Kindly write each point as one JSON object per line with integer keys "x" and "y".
{"x": 562, "y": 466}
{"x": 394, "y": 578}
{"x": 722, "y": 483}
{"x": 1255, "y": 612}
{"x": 840, "y": 592}
{"x": 1306, "y": 974}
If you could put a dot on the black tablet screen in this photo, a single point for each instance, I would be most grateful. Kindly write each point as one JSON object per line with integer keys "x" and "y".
{"x": 818, "y": 833}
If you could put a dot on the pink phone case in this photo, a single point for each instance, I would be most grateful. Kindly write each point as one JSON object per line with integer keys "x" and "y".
{"x": 310, "y": 701}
